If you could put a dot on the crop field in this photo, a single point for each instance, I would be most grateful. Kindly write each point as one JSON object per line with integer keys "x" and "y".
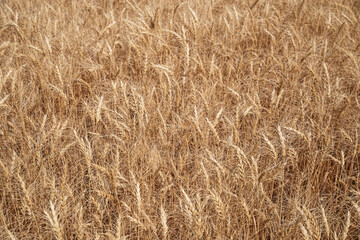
{"x": 170, "y": 119}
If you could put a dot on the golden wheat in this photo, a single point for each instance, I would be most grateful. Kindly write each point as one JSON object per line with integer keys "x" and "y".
{"x": 174, "y": 119}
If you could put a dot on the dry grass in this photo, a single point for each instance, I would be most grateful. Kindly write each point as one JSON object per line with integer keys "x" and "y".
{"x": 163, "y": 119}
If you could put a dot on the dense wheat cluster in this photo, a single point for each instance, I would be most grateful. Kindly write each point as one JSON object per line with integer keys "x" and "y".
{"x": 173, "y": 119}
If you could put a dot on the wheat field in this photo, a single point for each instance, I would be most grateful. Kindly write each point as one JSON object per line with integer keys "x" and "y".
{"x": 201, "y": 119}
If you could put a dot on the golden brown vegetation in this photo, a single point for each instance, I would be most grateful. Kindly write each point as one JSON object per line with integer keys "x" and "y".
{"x": 199, "y": 119}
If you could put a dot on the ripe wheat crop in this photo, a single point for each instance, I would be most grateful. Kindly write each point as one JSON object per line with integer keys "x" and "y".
{"x": 202, "y": 119}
